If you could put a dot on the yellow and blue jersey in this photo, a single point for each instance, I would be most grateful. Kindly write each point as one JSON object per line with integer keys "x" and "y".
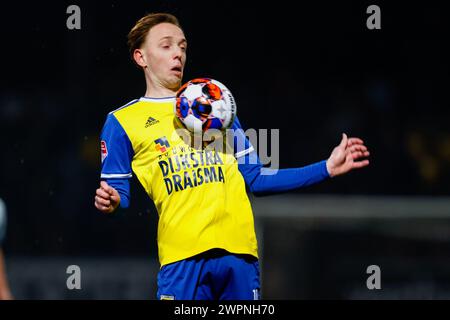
{"x": 200, "y": 195}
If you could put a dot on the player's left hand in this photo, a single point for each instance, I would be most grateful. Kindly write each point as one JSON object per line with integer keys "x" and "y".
{"x": 347, "y": 156}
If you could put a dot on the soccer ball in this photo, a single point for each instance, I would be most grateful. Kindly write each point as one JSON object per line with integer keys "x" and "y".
{"x": 203, "y": 104}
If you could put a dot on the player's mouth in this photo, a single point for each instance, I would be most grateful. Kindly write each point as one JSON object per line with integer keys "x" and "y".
{"x": 177, "y": 70}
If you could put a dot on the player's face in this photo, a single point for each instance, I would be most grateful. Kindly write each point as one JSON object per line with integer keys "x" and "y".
{"x": 165, "y": 54}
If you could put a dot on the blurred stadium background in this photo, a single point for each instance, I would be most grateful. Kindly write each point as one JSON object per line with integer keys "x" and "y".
{"x": 313, "y": 71}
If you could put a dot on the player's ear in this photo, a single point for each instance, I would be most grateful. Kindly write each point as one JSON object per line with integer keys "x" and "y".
{"x": 139, "y": 58}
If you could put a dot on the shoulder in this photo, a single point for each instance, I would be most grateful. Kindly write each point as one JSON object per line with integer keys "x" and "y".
{"x": 140, "y": 111}
{"x": 236, "y": 124}
{"x": 119, "y": 116}
{"x": 127, "y": 105}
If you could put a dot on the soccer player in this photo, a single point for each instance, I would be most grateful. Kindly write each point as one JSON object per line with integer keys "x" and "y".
{"x": 206, "y": 239}
{"x": 5, "y": 293}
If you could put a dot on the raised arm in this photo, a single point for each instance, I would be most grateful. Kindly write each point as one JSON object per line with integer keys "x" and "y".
{"x": 264, "y": 181}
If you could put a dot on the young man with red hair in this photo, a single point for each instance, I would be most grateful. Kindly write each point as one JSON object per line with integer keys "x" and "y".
{"x": 206, "y": 238}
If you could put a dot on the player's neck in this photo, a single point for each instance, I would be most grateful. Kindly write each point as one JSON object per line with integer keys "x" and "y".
{"x": 159, "y": 93}
{"x": 157, "y": 90}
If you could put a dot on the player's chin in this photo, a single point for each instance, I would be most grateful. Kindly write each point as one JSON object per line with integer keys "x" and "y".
{"x": 174, "y": 82}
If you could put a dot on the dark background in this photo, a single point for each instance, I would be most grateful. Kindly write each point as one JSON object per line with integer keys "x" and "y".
{"x": 311, "y": 69}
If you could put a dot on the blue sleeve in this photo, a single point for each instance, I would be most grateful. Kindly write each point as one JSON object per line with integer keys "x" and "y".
{"x": 117, "y": 154}
{"x": 123, "y": 188}
{"x": 265, "y": 181}
{"x": 242, "y": 145}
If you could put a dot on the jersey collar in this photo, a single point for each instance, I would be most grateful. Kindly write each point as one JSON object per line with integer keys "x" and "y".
{"x": 164, "y": 99}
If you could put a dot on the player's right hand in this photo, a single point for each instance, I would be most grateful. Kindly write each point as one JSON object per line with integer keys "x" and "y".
{"x": 107, "y": 198}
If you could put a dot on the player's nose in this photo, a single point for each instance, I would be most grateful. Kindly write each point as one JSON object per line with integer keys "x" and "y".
{"x": 178, "y": 54}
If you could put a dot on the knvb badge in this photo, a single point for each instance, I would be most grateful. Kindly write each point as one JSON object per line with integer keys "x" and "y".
{"x": 162, "y": 144}
{"x": 104, "y": 150}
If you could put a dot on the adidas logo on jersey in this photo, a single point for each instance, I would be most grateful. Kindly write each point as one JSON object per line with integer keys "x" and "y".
{"x": 151, "y": 121}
